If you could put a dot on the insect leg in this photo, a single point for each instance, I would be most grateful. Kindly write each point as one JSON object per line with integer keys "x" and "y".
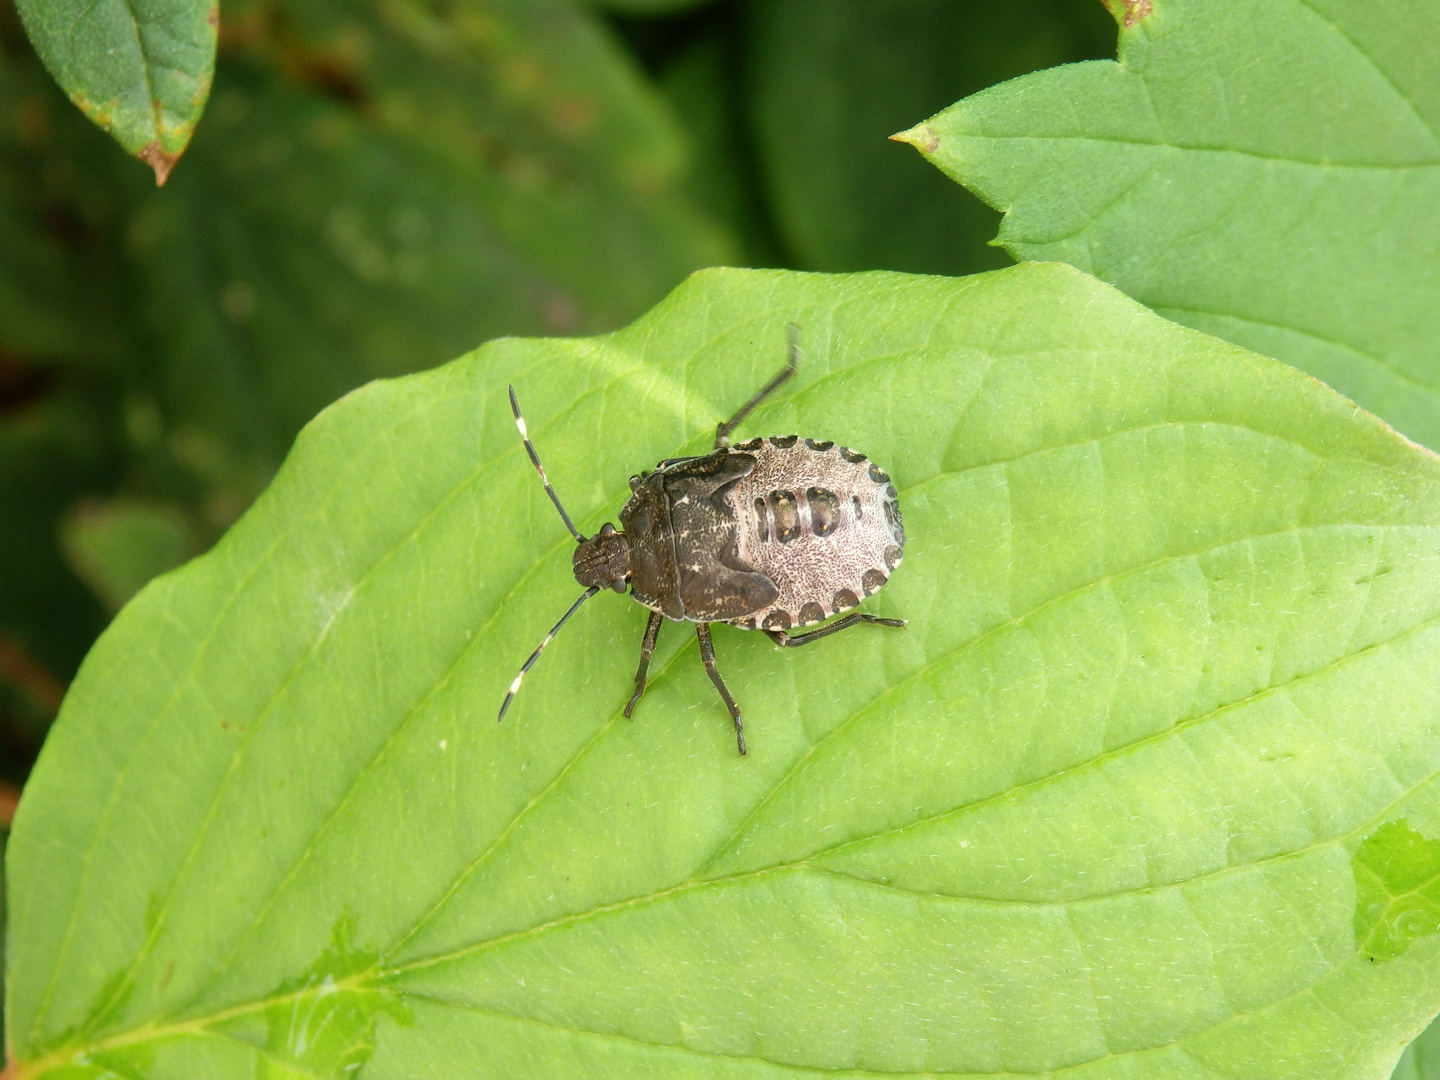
{"x": 647, "y": 646}
{"x": 794, "y": 641}
{"x": 707, "y": 654}
{"x": 722, "y": 432}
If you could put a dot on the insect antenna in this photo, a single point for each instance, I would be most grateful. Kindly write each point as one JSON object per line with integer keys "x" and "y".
{"x": 535, "y": 460}
{"x": 515, "y": 686}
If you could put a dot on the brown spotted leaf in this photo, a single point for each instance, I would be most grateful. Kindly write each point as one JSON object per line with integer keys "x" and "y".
{"x": 141, "y": 69}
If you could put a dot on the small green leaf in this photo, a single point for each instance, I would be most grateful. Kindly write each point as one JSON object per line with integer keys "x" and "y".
{"x": 141, "y": 69}
{"x": 1264, "y": 170}
{"x": 1169, "y": 690}
{"x": 116, "y": 546}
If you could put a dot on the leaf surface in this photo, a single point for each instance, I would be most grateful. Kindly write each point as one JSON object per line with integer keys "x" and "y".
{"x": 141, "y": 69}
{"x": 1129, "y": 797}
{"x": 1267, "y": 171}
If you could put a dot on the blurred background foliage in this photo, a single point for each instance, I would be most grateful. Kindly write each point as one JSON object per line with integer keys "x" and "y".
{"x": 377, "y": 186}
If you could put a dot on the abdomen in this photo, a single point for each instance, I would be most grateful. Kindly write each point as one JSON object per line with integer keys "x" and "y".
{"x": 821, "y": 521}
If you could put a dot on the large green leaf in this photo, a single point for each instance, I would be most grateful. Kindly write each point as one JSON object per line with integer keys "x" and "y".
{"x": 141, "y": 69}
{"x": 1146, "y": 788}
{"x": 830, "y": 80}
{"x": 1265, "y": 170}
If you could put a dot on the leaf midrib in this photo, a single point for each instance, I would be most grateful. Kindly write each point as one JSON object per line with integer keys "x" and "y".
{"x": 374, "y": 978}
{"x": 379, "y": 976}
{"x": 807, "y": 861}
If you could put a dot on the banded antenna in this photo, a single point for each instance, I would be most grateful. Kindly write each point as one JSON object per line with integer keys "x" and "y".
{"x": 586, "y": 595}
{"x": 535, "y": 460}
{"x": 515, "y": 686}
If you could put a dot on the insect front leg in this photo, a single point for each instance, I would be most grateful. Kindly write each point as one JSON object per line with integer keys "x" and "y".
{"x": 794, "y": 641}
{"x": 707, "y": 654}
{"x": 647, "y": 646}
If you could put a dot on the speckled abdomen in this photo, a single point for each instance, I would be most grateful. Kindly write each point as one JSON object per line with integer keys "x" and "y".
{"x": 821, "y": 521}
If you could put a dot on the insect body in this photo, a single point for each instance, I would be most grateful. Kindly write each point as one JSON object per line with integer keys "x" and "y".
{"x": 769, "y": 534}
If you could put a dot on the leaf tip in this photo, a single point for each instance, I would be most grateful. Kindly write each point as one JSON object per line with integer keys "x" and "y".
{"x": 154, "y": 156}
{"x": 1129, "y": 12}
{"x": 921, "y": 136}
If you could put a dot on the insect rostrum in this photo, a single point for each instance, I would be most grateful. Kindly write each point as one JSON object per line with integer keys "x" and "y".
{"x": 769, "y": 534}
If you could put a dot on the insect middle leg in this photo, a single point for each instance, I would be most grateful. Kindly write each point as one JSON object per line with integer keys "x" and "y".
{"x": 794, "y": 641}
{"x": 707, "y": 654}
{"x": 647, "y": 646}
{"x": 722, "y": 432}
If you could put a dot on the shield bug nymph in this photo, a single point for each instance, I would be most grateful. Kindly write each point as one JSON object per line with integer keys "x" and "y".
{"x": 769, "y": 534}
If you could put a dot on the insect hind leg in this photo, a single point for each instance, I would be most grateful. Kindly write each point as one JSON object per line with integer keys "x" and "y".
{"x": 722, "y": 432}
{"x": 794, "y": 641}
{"x": 707, "y": 654}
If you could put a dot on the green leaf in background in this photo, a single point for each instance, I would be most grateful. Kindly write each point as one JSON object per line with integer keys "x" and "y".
{"x": 141, "y": 69}
{"x": 831, "y": 80}
{"x": 650, "y": 7}
{"x": 699, "y": 81}
{"x": 51, "y": 450}
{"x": 1421, "y": 1060}
{"x": 59, "y": 303}
{"x": 1157, "y": 749}
{"x": 381, "y": 186}
{"x": 1265, "y": 170}
{"x": 118, "y": 545}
